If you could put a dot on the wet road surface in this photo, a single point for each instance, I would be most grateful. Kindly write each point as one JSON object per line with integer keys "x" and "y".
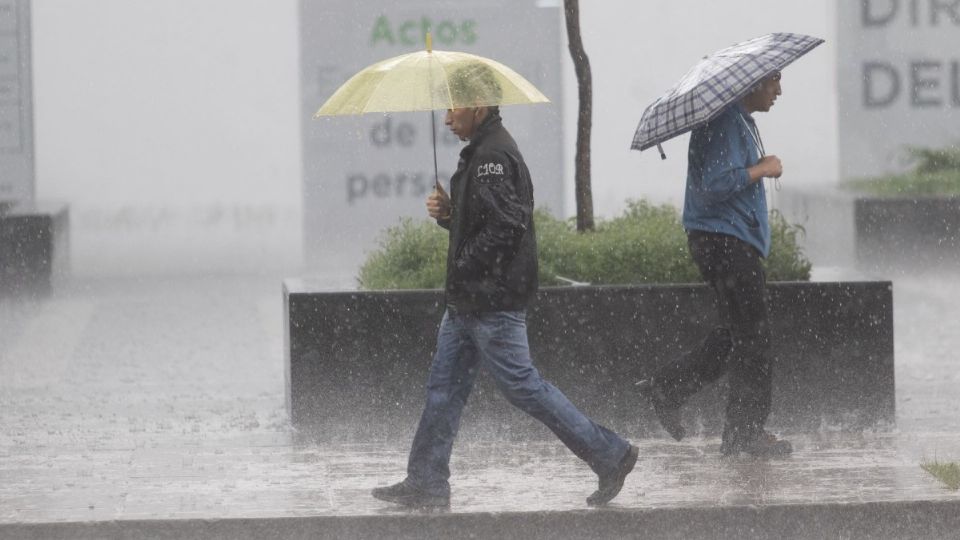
{"x": 163, "y": 398}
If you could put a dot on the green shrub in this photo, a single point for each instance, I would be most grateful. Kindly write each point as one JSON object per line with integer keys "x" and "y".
{"x": 786, "y": 261}
{"x": 646, "y": 244}
{"x": 935, "y": 172}
{"x": 946, "y": 472}
{"x": 412, "y": 255}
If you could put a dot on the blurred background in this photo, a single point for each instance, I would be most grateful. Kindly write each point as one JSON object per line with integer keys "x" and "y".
{"x": 180, "y": 133}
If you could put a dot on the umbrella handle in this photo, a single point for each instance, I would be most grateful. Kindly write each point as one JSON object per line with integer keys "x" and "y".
{"x": 433, "y": 133}
{"x": 660, "y": 149}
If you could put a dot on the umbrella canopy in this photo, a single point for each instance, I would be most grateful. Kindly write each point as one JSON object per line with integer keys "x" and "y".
{"x": 717, "y": 81}
{"x": 427, "y": 81}
{"x": 431, "y": 80}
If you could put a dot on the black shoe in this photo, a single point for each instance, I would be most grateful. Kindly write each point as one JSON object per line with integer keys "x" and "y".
{"x": 402, "y": 493}
{"x": 611, "y": 484}
{"x": 767, "y": 445}
{"x": 667, "y": 414}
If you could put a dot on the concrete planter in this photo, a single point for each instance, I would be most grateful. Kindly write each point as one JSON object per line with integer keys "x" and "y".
{"x": 875, "y": 233}
{"x": 34, "y": 247}
{"x": 357, "y": 361}
{"x": 921, "y": 230}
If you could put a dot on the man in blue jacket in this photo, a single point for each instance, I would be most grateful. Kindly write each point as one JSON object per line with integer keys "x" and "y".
{"x": 725, "y": 216}
{"x": 491, "y": 278}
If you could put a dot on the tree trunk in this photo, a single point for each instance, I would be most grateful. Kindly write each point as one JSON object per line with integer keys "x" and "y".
{"x": 584, "y": 120}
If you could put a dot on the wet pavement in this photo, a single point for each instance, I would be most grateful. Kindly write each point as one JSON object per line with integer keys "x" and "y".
{"x": 154, "y": 399}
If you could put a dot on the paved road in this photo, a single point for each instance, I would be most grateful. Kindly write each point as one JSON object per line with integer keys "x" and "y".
{"x": 162, "y": 398}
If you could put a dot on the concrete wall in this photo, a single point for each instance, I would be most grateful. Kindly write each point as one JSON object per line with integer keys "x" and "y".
{"x": 902, "y": 82}
{"x": 16, "y": 103}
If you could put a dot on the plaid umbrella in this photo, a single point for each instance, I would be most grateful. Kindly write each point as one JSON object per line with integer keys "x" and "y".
{"x": 714, "y": 83}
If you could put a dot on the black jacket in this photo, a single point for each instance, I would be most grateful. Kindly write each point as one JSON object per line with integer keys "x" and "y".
{"x": 492, "y": 256}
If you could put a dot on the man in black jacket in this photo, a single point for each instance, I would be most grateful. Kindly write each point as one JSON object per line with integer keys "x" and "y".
{"x": 491, "y": 277}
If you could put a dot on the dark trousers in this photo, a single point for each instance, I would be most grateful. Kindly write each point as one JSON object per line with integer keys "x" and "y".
{"x": 739, "y": 346}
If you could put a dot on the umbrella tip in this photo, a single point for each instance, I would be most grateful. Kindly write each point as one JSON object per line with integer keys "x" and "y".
{"x": 429, "y": 39}
{"x": 660, "y": 149}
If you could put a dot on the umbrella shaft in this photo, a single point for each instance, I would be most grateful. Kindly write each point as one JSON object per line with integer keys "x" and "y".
{"x": 433, "y": 133}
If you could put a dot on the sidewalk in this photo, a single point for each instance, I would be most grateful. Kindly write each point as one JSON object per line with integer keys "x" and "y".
{"x": 155, "y": 408}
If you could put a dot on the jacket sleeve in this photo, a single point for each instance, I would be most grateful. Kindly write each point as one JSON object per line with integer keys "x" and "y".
{"x": 503, "y": 216}
{"x": 723, "y": 159}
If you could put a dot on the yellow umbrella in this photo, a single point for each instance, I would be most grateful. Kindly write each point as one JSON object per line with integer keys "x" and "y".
{"x": 428, "y": 81}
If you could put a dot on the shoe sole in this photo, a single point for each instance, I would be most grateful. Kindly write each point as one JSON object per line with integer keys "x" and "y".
{"x": 427, "y": 502}
{"x": 758, "y": 455}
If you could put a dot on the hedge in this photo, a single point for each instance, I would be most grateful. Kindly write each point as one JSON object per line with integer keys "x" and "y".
{"x": 646, "y": 244}
{"x": 935, "y": 173}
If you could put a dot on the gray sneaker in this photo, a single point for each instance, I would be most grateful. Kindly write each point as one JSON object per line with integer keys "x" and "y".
{"x": 667, "y": 414}
{"x": 404, "y": 494}
{"x": 611, "y": 484}
{"x": 767, "y": 445}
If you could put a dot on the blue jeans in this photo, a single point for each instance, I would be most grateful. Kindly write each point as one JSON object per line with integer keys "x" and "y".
{"x": 497, "y": 341}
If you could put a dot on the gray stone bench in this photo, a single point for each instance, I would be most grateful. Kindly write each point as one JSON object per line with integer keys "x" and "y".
{"x": 356, "y": 362}
{"x": 873, "y": 233}
{"x": 34, "y": 247}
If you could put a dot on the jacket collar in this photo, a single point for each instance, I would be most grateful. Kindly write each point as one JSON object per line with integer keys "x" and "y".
{"x": 743, "y": 111}
{"x": 489, "y": 124}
